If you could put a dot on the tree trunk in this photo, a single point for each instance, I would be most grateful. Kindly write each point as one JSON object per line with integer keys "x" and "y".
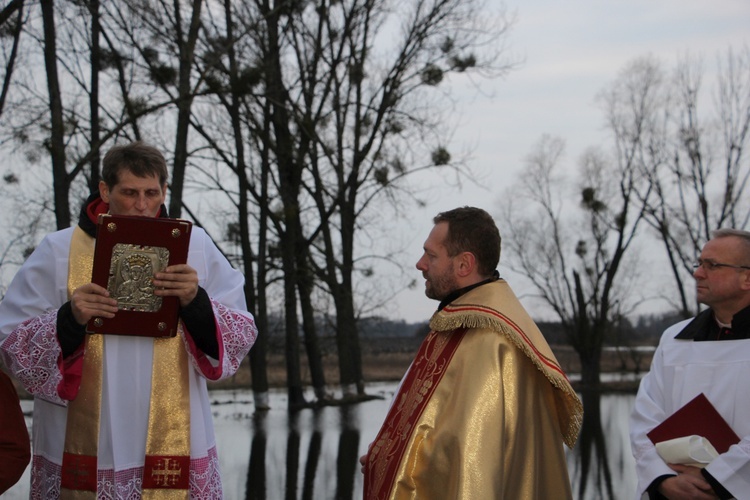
{"x": 292, "y": 458}
{"x": 16, "y": 34}
{"x": 184, "y": 104}
{"x": 346, "y": 332}
{"x": 290, "y": 183}
{"x": 590, "y": 370}
{"x": 94, "y": 141}
{"x": 258, "y": 368}
{"x": 291, "y": 326}
{"x": 311, "y": 464}
{"x": 255, "y": 484}
{"x": 348, "y": 453}
{"x": 312, "y": 345}
{"x": 259, "y": 352}
{"x": 60, "y": 182}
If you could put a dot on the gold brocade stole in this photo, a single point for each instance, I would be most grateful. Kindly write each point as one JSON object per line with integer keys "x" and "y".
{"x": 425, "y": 374}
{"x": 167, "y": 463}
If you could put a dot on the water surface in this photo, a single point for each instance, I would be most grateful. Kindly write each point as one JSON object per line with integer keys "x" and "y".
{"x": 313, "y": 454}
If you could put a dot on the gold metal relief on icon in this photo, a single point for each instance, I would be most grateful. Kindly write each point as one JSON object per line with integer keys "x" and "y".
{"x": 131, "y": 276}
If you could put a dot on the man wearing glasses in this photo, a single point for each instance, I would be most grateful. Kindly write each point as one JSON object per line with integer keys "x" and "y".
{"x": 708, "y": 354}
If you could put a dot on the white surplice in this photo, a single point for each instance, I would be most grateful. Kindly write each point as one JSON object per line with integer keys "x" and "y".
{"x": 682, "y": 369}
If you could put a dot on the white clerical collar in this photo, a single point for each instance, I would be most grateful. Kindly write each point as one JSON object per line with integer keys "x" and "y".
{"x": 722, "y": 325}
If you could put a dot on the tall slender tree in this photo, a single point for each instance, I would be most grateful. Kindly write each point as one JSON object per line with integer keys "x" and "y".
{"x": 56, "y": 142}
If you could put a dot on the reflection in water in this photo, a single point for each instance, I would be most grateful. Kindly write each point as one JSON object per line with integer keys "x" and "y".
{"x": 333, "y": 438}
{"x": 292, "y": 457}
{"x": 313, "y": 457}
{"x": 348, "y": 457}
{"x": 255, "y": 486}
{"x": 610, "y": 469}
{"x": 255, "y": 448}
{"x": 592, "y": 448}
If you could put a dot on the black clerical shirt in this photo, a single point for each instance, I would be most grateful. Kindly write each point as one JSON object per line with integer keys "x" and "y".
{"x": 457, "y": 293}
{"x": 704, "y": 327}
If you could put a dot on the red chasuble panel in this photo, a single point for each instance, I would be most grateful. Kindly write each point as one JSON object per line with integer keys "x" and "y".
{"x": 421, "y": 381}
{"x": 129, "y": 250}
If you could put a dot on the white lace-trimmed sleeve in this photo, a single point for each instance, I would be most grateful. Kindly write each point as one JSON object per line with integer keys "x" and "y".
{"x": 32, "y": 352}
{"x": 28, "y": 318}
{"x": 234, "y": 324}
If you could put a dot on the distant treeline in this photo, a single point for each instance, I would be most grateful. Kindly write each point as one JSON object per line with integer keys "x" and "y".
{"x": 646, "y": 329}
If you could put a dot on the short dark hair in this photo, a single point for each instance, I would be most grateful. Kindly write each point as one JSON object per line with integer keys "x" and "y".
{"x": 472, "y": 230}
{"x": 142, "y": 159}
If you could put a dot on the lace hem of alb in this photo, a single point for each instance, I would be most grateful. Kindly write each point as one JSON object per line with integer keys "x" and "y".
{"x": 205, "y": 481}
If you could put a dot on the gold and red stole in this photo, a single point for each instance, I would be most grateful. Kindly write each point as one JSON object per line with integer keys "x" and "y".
{"x": 167, "y": 463}
{"x": 428, "y": 368}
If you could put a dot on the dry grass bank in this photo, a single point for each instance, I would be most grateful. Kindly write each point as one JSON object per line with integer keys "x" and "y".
{"x": 387, "y": 360}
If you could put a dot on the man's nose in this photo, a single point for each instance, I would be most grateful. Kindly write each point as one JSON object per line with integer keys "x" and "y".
{"x": 699, "y": 273}
{"x": 142, "y": 202}
{"x": 420, "y": 264}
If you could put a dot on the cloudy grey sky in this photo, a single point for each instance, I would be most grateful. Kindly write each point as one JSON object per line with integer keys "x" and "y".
{"x": 571, "y": 50}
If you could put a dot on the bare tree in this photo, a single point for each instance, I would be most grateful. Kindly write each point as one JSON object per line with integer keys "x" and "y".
{"x": 80, "y": 110}
{"x": 226, "y": 57}
{"x": 233, "y": 66}
{"x": 701, "y": 184}
{"x": 347, "y": 122}
{"x": 164, "y": 35}
{"x": 576, "y": 263}
{"x": 574, "y": 266}
{"x": 371, "y": 119}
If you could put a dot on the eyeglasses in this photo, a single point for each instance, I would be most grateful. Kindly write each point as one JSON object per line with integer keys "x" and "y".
{"x": 710, "y": 265}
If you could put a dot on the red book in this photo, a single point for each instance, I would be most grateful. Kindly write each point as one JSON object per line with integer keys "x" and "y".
{"x": 698, "y": 417}
{"x": 129, "y": 250}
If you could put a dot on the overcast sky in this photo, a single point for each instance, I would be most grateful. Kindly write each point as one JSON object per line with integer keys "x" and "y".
{"x": 571, "y": 50}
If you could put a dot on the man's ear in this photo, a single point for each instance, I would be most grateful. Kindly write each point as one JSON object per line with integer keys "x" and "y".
{"x": 745, "y": 284}
{"x": 104, "y": 191}
{"x": 466, "y": 264}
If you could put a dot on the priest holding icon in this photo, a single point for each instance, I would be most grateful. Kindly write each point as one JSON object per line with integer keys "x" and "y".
{"x": 123, "y": 415}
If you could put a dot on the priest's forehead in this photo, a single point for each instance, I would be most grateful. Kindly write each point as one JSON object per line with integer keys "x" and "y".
{"x": 742, "y": 238}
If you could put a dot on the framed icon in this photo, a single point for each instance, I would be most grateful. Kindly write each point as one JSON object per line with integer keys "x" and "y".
{"x": 129, "y": 250}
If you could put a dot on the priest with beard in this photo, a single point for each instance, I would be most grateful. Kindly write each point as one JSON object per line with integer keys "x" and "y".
{"x": 485, "y": 408}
